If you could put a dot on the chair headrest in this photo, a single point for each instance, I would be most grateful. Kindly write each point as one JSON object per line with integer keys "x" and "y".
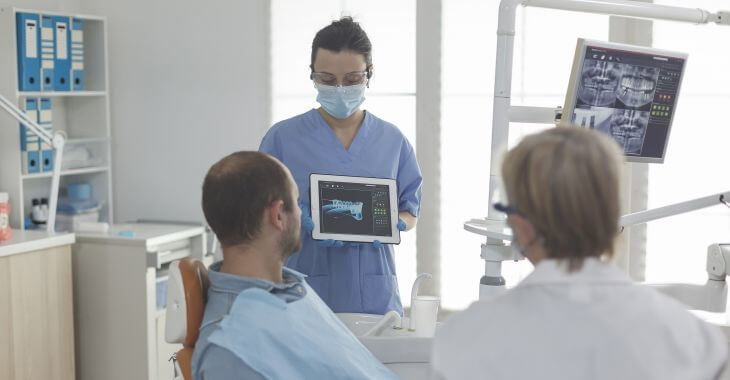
{"x": 187, "y": 290}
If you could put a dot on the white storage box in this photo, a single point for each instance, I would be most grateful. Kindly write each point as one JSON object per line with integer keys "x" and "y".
{"x": 69, "y": 222}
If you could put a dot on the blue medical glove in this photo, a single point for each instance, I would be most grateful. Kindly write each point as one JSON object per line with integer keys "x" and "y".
{"x": 401, "y": 227}
{"x": 306, "y": 219}
{"x": 329, "y": 243}
{"x": 307, "y": 223}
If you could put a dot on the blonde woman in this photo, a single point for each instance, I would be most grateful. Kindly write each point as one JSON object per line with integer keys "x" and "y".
{"x": 576, "y": 316}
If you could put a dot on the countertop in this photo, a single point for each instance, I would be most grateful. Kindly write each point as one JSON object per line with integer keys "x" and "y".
{"x": 148, "y": 235}
{"x": 24, "y": 241}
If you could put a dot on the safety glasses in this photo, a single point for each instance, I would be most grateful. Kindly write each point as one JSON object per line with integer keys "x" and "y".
{"x": 350, "y": 79}
{"x": 507, "y": 209}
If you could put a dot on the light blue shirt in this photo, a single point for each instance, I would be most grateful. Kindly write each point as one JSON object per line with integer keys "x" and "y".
{"x": 255, "y": 329}
{"x": 357, "y": 277}
{"x": 211, "y": 361}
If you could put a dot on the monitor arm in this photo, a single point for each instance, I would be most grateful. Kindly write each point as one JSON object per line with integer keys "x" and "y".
{"x": 674, "y": 209}
{"x": 718, "y": 261}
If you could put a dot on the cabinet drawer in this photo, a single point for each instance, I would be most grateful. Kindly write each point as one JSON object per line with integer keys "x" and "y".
{"x": 169, "y": 252}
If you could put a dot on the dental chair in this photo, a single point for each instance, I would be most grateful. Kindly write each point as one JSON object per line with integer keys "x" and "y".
{"x": 187, "y": 291}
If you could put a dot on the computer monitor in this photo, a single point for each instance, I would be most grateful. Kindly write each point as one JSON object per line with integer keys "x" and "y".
{"x": 628, "y": 92}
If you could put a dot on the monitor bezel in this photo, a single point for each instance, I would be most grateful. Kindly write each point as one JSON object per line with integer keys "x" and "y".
{"x": 575, "y": 74}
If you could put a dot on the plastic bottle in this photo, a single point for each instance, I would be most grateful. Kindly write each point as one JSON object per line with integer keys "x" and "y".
{"x": 44, "y": 209}
{"x": 5, "y": 231}
{"x": 36, "y": 214}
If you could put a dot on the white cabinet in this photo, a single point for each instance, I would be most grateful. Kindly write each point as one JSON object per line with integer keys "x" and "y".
{"x": 119, "y": 327}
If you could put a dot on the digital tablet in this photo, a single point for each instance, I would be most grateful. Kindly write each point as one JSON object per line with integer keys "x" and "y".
{"x": 354, "y": 209}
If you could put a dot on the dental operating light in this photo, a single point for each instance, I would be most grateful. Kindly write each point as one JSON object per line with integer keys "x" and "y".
{"x": 496, "y": 250}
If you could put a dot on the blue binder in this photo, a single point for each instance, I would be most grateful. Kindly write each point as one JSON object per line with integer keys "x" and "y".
{"x": 77, "y": 54}
{"x": 62, "y": 59}
{"x": 48, "y": 51}
{"x": 29, "y": 141}
{"x": 29, "y": 61}
{"x": 45, "y": 120}
{"x": 32, "y": 162}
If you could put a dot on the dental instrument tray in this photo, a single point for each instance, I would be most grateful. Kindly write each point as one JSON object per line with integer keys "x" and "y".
{"x": 354, "y": 209}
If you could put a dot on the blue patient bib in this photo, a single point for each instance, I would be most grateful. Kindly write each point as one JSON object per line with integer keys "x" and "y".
{"x": 297, "y": 340}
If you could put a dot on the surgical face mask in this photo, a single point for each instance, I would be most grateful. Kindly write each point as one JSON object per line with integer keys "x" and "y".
{"x": 521, "y": 251}
{"x": 514, "y": 246}
{"x": 340, "y": 102}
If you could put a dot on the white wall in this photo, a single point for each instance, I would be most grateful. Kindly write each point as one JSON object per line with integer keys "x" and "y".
{"x": 46, "y": 5}
{"x": 190, "y": 83}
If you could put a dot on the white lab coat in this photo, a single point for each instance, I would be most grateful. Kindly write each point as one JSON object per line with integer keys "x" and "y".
{"x": 591, "y": 324}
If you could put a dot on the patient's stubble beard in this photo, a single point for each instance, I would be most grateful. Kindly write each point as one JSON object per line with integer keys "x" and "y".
{"x": 290, "y": 241}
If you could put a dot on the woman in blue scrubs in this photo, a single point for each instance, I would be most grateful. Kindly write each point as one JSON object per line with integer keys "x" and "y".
{"x": 339, "y": 138}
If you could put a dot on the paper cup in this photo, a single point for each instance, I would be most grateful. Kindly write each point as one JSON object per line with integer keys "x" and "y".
{"x": 425, "y": 310}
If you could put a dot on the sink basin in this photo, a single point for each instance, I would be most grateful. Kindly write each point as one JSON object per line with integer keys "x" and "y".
{"x": 400, "y": 350}
{"x": 391, "y": 344}
{"x": 359, "y": 323}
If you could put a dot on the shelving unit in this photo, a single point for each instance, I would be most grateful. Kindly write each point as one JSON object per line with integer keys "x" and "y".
{"x": 88, "y": 170}
{"x": 118, "y": 281}
{"x": 83, "y": 115}
{"x": 86, "y": 140}
{"x": 51, "y": 94}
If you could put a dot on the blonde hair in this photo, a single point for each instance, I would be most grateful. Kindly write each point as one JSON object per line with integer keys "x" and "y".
{"x": 565, "y": 181}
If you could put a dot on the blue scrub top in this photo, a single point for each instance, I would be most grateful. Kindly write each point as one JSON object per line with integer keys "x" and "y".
{"x": 357, "y": 278}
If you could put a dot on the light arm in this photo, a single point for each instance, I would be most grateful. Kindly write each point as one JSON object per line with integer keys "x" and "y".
{"x": 57, "y": 140}
{"x": 628, "y": 8}
{"x": 498, "y": 229}
{"x": 675, "y": 209}
{"x": 21, "y": 117}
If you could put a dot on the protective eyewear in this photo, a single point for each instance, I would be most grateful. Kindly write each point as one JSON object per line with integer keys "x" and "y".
{"x": 507, "y": 209}
{"x": 350, "y": 79}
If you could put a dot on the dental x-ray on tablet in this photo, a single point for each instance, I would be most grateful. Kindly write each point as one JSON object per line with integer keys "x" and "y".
{"x": 354, "y": 209}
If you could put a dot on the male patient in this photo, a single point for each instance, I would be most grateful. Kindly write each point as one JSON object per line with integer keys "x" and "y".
{"x": 262, "y": 321}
